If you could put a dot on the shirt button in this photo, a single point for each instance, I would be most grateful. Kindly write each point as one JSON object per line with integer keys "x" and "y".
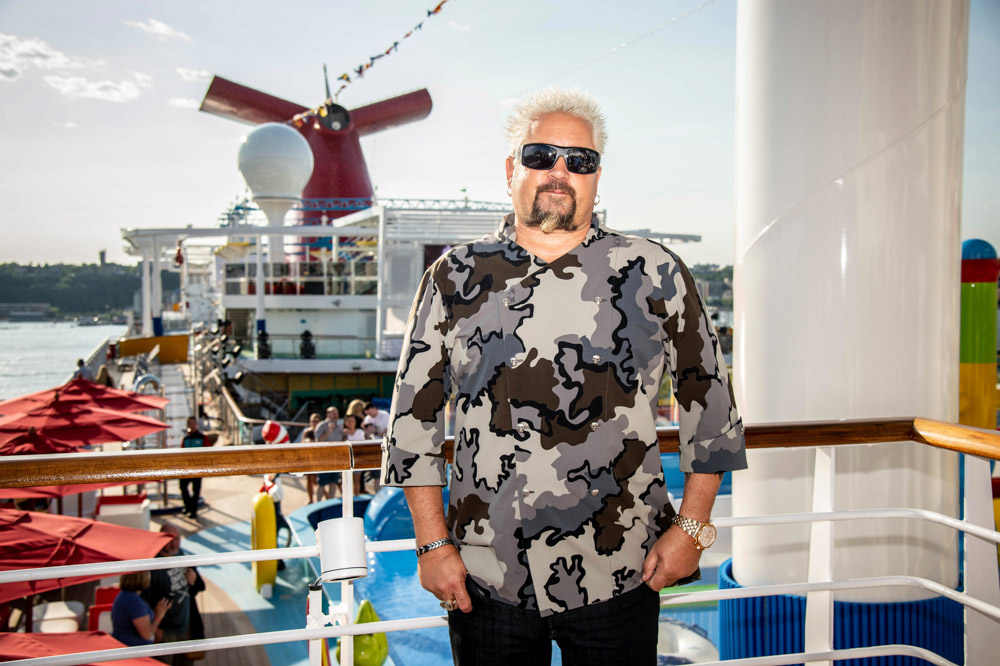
{"x": 525, "y": 493}
{"x": 594, "y": 491}
{"x": 522, "y": 427}
{"x": 598, "y": 300}
{"x": 506, "y": 302}
{"x": 514, "y": 361}
{"x": 594, "y": 426}
{"x": 595, "y": 358}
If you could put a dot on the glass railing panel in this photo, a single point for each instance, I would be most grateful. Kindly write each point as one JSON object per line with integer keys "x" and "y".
{"x": 236, "y": 287}
{"x": 290, "y": 346}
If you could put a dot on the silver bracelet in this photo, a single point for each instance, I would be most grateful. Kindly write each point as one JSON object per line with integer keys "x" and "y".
{"x": 426, "y": 548}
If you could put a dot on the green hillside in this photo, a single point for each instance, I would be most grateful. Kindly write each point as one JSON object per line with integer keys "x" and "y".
{"x": 75, "y": 290}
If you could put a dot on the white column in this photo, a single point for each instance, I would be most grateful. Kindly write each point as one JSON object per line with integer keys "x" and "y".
{"x": 276, "y": 249}
{"x": 849, "y": 171}
{"x": 157, "y": 291}
{"x": 147, "y": 297}
{"x": 259, "y": 284}
{"x": 185, "y": 278}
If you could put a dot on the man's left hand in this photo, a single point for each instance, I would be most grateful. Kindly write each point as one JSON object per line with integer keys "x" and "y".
{"x": 671, "y": 558}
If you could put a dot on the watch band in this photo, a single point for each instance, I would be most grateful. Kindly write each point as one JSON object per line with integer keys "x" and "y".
{"x": 693, "y": 529}
{"x": 689, "y": 525}
{"x": 426, "y": 548}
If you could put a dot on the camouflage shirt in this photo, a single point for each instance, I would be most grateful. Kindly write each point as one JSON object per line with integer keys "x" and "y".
{"x": 557, "y": 489}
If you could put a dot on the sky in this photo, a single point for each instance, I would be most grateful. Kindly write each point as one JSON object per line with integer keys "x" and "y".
{"x": 100, "y": 129}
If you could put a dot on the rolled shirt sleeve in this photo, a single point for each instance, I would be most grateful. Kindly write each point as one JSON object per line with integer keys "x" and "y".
{"x": 711, "y": 431}
{"x": 413, "y": 452}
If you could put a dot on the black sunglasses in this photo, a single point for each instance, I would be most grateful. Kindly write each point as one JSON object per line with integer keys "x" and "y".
{"x": 543, "y": 156}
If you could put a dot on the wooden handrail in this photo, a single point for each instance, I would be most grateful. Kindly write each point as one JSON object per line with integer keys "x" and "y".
{"x": 136, "y": 466}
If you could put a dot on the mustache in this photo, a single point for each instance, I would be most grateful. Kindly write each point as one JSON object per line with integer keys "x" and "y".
{"x": 553, "y": 185}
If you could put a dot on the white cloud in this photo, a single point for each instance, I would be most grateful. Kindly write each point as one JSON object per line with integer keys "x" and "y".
{"x": 184, "y": 102}
{"x": 458, "y": 26}
{"x": 108, "y": 91}
{"x": 194, "y": 74}
{"x": 18, "y": 54}
{"x": 144, "y": 80}
{"x": 158, "y": 28}
{"x": 69, "y": 124}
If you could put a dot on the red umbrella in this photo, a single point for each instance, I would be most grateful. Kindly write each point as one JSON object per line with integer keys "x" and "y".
{"x": 74, "y": 424}
{"x": 30, "y": 540}
{"x": 33, "y": 443}
{"x": 24, "y": 646}
{"x": 83, "y": 392}
{"x": 51, "y": 492}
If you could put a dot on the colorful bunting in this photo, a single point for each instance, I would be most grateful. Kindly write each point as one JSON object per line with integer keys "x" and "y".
{"x": 305, "y": 117}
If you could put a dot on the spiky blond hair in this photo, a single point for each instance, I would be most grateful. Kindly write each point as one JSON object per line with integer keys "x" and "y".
{"x": 572, "y": 102}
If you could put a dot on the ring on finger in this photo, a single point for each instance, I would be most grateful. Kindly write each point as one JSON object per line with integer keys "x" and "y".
{"x": 449, "y": 605}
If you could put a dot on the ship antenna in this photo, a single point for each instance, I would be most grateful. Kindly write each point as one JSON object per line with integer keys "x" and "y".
{"x": 326, "y": 79}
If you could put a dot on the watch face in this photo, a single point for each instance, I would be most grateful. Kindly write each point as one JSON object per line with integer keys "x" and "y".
{"x": 706, "y": 537}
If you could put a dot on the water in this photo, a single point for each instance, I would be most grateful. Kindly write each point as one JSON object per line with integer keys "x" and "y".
{"x": 39, "y": 355}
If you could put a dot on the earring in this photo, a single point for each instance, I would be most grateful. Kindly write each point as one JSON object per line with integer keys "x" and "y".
{"x": 597, "y": 200}
{"x": 508, "y": 189}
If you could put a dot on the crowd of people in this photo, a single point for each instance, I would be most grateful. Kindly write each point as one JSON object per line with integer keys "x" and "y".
{"x": 159, "y": 606}
{"x": 361, "y": 422}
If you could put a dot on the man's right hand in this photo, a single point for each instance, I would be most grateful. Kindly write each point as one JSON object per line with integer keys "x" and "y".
{"x": 442, "y": 573}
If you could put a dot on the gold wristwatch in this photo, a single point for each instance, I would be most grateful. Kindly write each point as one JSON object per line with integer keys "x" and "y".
{"x": 703, "y": 533}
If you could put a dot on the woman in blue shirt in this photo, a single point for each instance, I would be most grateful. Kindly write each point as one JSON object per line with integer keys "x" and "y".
{"x": 134, "y": 622}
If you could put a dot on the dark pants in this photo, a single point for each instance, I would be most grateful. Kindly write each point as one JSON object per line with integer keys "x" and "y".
{"x": 191, "y": 493}
{"x": 180, "y": 659}
{"x": 620, "y": 631}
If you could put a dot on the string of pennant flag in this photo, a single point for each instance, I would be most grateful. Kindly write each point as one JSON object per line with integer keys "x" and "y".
{"x": 321, "y": 111}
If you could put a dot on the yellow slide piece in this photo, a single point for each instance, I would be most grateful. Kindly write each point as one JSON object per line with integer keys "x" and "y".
{"x": 263, "y": 535}
{"x": 369, "y": 649}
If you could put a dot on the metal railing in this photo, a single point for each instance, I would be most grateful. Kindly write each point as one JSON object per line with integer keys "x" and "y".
{"x": 89, "y": 468}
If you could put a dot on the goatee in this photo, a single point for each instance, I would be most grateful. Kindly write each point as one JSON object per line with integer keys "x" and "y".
{"x": 549, "y": 221}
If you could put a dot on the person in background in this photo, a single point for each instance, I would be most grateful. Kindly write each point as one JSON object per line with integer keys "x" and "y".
{"x": 273, "y": 487}
{"x": 104, "y": 377}
{"x": 133, "y": 621}
{"x": 357, "y": 408}
{"x": 368, "y": 425}
{"x": 179, "y": 584}
{"x": 309, "y": 435}
{"x": 330, "y": 429}
{"x": 83, "y": 372}
{"x": 376, "y": 417}
{"x": 191, "y": 488}
{"x": 352, "y": 433}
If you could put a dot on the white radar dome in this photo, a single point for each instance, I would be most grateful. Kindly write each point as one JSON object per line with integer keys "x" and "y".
{"x": 276, "y": 162}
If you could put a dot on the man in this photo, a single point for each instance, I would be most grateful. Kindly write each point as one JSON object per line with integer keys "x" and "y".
{"x": 82, "y": 371}
{"x": 375, "y": 417}
{"x": 179, "y": 584}
{"x": 191, "y": 488}
{"x": 553, "y": 335}
{"x": 309, "y": 435}
{"x": 330, "y": 429}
